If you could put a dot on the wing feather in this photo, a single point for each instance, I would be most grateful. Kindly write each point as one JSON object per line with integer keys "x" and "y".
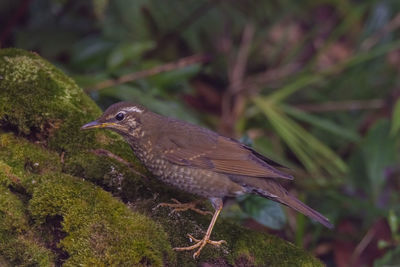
{"x": 220, "y": 154}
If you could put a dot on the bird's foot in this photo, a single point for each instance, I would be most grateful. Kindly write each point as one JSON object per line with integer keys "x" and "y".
{"x": 178, "y": 207}
{"x": 200, "y": 244}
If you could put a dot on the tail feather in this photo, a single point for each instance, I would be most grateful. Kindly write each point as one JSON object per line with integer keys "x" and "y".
{"x": 270, "y": 189}
{"x": 296, "y": 204}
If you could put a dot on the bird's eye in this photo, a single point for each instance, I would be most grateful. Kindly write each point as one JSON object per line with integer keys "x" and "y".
{"x": 119, "y": 116}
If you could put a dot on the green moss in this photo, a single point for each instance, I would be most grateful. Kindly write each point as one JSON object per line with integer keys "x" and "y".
{"x": 27, "y": 156}
{"x": 6, "y": 176}
{"x": 18, "y": 244}
{"x": 244, "y": 247}
{"x": 100, "y": 229}
{"x": 60, "y": 106}
{"x": 12, "y": 211}
{"x": 266, "y": 250}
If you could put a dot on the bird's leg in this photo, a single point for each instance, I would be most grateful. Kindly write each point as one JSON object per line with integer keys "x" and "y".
{"x": 178, "y": 207}
{"x": 206, "y": 239}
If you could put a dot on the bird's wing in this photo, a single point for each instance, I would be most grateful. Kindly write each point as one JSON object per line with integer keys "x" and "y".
{"x": 210, "y": 151}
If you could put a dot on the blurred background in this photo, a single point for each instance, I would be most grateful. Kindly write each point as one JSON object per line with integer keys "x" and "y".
{"x": 311, "y": 84}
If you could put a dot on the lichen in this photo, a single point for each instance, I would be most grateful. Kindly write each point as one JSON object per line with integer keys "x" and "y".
{"x": 54, "y": 208}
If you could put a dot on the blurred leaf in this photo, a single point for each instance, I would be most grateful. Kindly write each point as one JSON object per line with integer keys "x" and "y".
{"x": 379, "y": 18}
{"x": 306, "y": 80}
{"x": 393, "y": 222}
{"x": 300, "y": 226}
{"x": 395, "y": 119}
{"x": 125, "y": 20}
{"x": 127, "y": 52}
{"x": 383, "y": 244}
{"x": 99, "y": 7}
{"x": 264, "y": 211}
{"x": 271, "y": 148}
{"x": 391, "y": 258}
{"x": 322, "y": 123}
{"x": 51, "y": 40}
{"x": 315, "y": 156}
{"x": 90, "y": 53}
{"x": 379, "y": 152}
{"x": 175, "y": 82}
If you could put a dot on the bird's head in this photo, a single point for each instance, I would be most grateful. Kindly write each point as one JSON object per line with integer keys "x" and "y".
{"x": 122, "y": 117}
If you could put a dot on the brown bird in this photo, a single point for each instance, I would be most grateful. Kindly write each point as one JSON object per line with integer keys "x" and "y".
{"x": 199, "y": 161}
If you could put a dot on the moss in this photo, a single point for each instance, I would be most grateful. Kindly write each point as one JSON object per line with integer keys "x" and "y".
{"x": 263, "y": 250}
{"x": 50, "y": 175}
{"x": 25, "y": 160}
{"x": 12, "y": 210}
{"x": 244, "y": 247}
{"x": 59, "y": 103}
{"x": 18, "y": 243}
{"x": 94, "y": 222}
{"x": 100, "y": 229}
{"x": 35, "y": 158}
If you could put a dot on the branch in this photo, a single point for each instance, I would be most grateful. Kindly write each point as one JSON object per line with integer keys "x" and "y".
{"x": 232, "y": 107}
{"x": 181, "y": 63}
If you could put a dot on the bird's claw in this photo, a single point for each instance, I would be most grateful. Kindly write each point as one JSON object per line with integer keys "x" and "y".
{"x": 179, "y": 206}
{"x": 200, "y": 244}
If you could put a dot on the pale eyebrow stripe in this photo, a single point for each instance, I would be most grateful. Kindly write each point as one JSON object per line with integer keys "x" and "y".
{"x": 134, "y": 109}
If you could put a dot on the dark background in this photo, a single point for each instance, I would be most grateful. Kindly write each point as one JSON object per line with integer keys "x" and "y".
{"x": 311, "y": 84}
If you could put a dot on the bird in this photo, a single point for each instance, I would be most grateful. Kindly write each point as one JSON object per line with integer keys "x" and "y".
{"x": 199, "y": 161}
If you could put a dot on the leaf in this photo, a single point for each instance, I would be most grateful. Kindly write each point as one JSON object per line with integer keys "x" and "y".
{"x": 99, "y": 7}
{"x": 127, "y": 52}
{"x": 264, "y": 211}
{"x": 90, "y": 53}
{"x": 395, "y": 119}
{"x": 379, "y": 152}
{"x": 322, "y": 123}
{"x": 306, "y": 80}
{"x": 175, "y": 77}
{"x": 391, "y": 258}
{"x": 393, "y": 222}
{"x": 315, "y": 156}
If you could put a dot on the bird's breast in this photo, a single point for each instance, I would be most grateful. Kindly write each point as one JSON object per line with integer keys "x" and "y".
{"x": 198, "y": 181}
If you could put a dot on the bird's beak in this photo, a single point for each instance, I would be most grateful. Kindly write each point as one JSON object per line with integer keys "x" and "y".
{"x": 96, "y": 124}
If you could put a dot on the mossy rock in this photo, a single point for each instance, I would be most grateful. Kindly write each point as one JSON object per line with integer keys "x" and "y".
{"x": 81, "y": 198}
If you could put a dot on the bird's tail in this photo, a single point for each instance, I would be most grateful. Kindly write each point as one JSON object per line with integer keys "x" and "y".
{"x": 269, "y": 188}
{"x": 296, "y": 204}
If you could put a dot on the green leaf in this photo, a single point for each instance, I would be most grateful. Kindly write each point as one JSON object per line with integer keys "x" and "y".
{"x": 395, "y": 119}
{"x": 90, "y": 53}
{"x": 125, "y": 52}
{"x": 99, "y": 7}
{"x": 322, "y": 123}
{"x": 315, "y": 156}
{"x": 391, "y": 258}
{"x": 379, "y": 152}
{"x": 306, "y": 80}
{"x": 175, "y": 76}
{"x": 264, "y": 211}
{"x": 393, "y": 222}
